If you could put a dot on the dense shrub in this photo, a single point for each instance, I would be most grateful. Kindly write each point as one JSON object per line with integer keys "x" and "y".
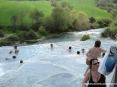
{"x": 94, "y": 25}
{"x": 31, "y": 41}
{"x": 111, "y": 31}
{"x": 27, "y": 35}
{"x": 81, "y": 22}
{"x": 1, "y": 26}
{"x": 105, "y": 33}
{"x": 104, "y": 22}
{"x": 1, "y": 34}
{"x": 59, "y": 20}
{"x": 42, "y": 31}
{"x": 85, "y": 37}
{"x": 24, "y": 27}
{"x": 5, "y": 43}
{"x": 36, "y": 19}
{"x": 12, "y": 38}
{"x": 92, "y": 20}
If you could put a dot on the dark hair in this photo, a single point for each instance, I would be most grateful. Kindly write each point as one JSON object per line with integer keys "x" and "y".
{"x": 97, "y": 43}
{"x": 15, "y": 46}
{"x": 91, "y": 61}
{"x": 14, "y": 57}
{"x": 70, "y": 47}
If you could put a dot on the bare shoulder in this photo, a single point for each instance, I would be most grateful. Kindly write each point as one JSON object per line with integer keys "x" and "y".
{"x": 88, "y": 74}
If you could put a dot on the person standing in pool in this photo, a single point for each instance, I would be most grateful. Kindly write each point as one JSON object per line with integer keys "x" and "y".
{"x": 51, "y": 45}
{"x": 16, "y": 51}
{"x": 70, "y": 48}
{"x": 94, "y": 52}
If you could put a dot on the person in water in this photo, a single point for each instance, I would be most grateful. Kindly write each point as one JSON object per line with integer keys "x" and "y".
{"x": 21, "y": 61}
{"x": 51, "y": 45}
{"x": 78, "y": 52}
{"x": 94, "y": 52}
{"x": 16, "y": 49}
{"x": 83, "y": 50}
{"x": 93, "y": 77}
{"x": 70, "y": 48}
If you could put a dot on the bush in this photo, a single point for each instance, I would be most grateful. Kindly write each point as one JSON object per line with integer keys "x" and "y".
{"x": 94, "y": 25}
{"x": 111, "y": 31}
{"x": 58, "y": 21}
{"x": 5, "y": 43}
{"x": 85, "y": 37}
{"x": 1, "y": 34}
{"x": 30, "y": 35}
{"x": 12, "y": 38}
{"x": 42, "y": 31}
{"x": 81, "y": 22}
{"x": 104, "y": 22}
{"x": 105, "y": 33}
{"x": 1, "y": 26}
{"x": 24, "y": 27}
{"x": 92, "y": 20}
{"x": 30, "y": 41}
{"x": 36, "y": 19}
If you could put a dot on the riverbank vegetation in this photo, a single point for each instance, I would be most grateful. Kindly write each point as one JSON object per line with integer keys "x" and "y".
{"x": 111, "y": 31}
{"x": 29, "y": 21}
{"x": 85, "y": 37}
{"x": 111, "y": 7}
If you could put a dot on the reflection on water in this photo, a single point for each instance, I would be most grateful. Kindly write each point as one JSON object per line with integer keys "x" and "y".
{"x": 44, "y": 67}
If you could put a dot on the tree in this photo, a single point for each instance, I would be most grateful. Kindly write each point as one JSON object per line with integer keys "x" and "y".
{"x": 114, "y": 13}
{"x": 36, "y": 19}
{"x": 92, "y": 20}
{"x": 14, "y": 20}
{"x": 58, "y": 21}
{"x": 82, "y": 22}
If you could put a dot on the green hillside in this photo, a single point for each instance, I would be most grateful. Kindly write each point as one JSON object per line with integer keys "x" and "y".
{"x": 89, "y": 6}
{"x": 23, "y": 8}
{"x": 10, "y": 8}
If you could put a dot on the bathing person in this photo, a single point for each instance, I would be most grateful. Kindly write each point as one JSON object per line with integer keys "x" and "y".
{"x": 93, "y": 77}
{"x": 94, "y": 52}
{"x": 10, "y": 52}
{"x": 21, "y": 61}
{"x": 83, "y": 50}
{"x": 70, "y": 48}
{"x": 16, "y": 49}
{"x": 14, "y": 57}
{"x": 51, "y": 45}
{"x": 78, "y": 52}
